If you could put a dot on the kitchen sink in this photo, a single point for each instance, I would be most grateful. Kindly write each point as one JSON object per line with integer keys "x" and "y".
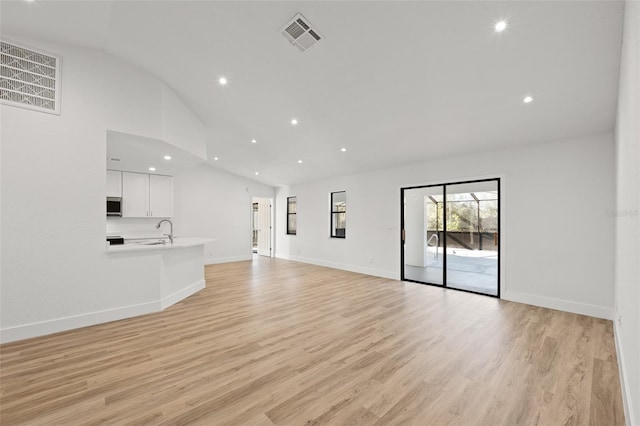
{"x": 151, "y": 243}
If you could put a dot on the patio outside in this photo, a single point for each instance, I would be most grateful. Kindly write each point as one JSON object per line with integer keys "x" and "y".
{"x": 471, "y": 241}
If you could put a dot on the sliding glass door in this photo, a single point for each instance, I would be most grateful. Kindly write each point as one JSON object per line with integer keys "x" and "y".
{"x": 450, "y": 235}
{"x": 423, "y": 226}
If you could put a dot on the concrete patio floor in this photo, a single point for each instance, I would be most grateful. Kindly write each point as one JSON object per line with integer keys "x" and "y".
{"x": 474, "y": 270}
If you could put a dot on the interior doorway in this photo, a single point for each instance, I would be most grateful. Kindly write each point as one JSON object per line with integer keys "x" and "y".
{"x": 254, "y": 230}
{"x": 261, "y": 236}
{"x": 451, "y": 235}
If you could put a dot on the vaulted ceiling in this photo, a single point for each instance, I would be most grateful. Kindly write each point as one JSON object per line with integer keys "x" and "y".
{"x": 392, "y": 82}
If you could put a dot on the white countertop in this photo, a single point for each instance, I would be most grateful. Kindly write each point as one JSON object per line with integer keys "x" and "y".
{"x": 178, "y": 242}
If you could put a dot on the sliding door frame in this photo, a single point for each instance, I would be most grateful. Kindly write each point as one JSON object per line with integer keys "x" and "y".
{"x": 444, "y": 228}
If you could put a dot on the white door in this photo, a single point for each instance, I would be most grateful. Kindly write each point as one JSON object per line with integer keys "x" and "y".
{"x": 135, "y": 194}
{"x": 264, "y": 227}
{"x": 160, "y": 196}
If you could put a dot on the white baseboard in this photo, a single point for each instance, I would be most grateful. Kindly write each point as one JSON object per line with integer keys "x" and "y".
{"x": 530, "y": 299}
{"x": 560, "y": 304}
{"x": 27, "y": 331}
{"x": 345, "y": 267}
{"x": 626, "y": 392}
{"x": 182, "y": 294}
{"x": 215, "y": 260}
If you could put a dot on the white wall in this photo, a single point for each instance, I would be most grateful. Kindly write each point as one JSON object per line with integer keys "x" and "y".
{"x": 53, "y": 264}
{"x": 179, "y": 126}
{"x": 55, "y": 272}
{"x": 131, "y": 101}
{"x": 138, "y": 104}
{"x": 627, "y": 214}
{"x": 216, "y": 204}
{"x": 557, "y": 242}
{"x": 137, "y": 227}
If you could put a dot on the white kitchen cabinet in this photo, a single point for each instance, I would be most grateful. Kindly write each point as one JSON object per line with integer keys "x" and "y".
{"x": 135, "y": 194}
{"x": 114, "y": 183}
{"x": 146, "y": 195}
{"x": 160, "y": 196}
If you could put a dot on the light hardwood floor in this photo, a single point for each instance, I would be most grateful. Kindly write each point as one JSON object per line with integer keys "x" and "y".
{"x": 284, "y": 343}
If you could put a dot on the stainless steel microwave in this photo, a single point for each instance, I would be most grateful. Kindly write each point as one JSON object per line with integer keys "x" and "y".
{"x": 114, "y": 206}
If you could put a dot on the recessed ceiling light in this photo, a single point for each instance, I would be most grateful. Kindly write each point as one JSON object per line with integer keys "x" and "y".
{"x": 343, "y": 149}
{"x": 215, "y": 158}
{"x": 253, "y": 141}
{"x": 500, "y": 26}
{"x": 299, "y": 161}
{"x": 167, "y": 157}
{"x": 152, "y": 169}
{"x": 527, "y": 99}
{"x": 257, "y": 173}
{"x": 222, "y": 81}
{"x": 294, "y": 121}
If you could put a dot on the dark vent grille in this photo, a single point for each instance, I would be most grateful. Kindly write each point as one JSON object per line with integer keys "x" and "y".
{"x": 295, "y": 30}
{"x": 302, "y": 24}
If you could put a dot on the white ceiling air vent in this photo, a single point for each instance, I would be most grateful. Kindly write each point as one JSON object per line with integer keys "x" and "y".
{"x": 300, "y": 33}
{"x": 29, "y": 78}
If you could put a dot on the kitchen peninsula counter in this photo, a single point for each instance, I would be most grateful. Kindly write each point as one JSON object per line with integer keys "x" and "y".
{"x": 172, "y": 271}
{"x": 146, "y": 245}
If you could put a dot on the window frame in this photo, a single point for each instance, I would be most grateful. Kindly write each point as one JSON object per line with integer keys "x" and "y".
{"x": 295, "y": 231}
{"x": 332, "y": 212}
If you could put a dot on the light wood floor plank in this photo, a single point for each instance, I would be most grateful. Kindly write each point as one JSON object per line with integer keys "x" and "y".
{"x": 273, "y": 342}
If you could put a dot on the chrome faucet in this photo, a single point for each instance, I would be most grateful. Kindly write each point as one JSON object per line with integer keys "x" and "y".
{"x": 170, "y": 234}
